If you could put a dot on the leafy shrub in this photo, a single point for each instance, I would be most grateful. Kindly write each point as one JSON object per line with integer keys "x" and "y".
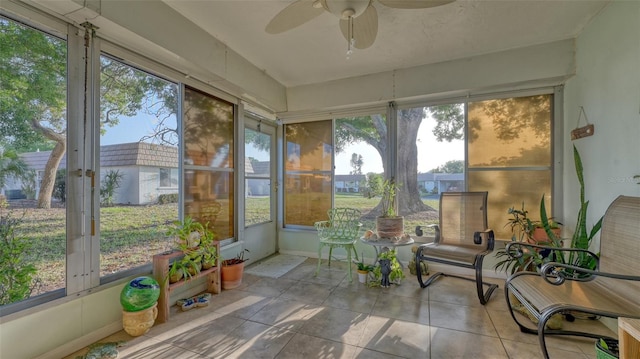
{"x": 110, "y": 184}
{"x": 168, "y": 198}
{"x": 17, "y": 272}
{"x": 60, "y": 186}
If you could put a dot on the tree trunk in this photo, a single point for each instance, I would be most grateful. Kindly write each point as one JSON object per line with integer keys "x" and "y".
{"x": 408, "y": 198}
{"x": 49, "y": 176}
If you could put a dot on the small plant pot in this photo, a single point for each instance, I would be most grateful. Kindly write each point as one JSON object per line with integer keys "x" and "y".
{"x": 362, "y": 276}
{"x": 539, "y": 235}
{"x": 175, "y": 277}
{"x": 231, "y": 275}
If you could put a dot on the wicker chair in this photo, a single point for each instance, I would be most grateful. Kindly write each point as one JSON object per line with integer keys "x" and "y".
{"x": 341, "y": 230}
{"x": 612, "y": 289}
{"x": 462, "y": 239}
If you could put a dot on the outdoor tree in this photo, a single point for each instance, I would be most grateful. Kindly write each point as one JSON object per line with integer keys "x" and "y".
{"x": 34, "y": 90}
{"x": 356, "y": 164}
{"x": 453, "y": 166}
{"x": 373, "y": 131}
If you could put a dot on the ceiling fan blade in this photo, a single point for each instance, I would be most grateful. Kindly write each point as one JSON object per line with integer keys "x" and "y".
{"x": 292, "y": 16}
{"x": 365, "y": 28}
{"x": 414, "y": 4}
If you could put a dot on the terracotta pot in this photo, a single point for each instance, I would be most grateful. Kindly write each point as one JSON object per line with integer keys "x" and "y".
{"x": 390, "y": 227}
{"x": 539, "y": 235}
{"x": 138, "y": 323}
{"x": 231, "y": 275}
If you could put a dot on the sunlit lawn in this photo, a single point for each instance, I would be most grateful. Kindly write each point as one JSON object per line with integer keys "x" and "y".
{"x": 130, "y": 235}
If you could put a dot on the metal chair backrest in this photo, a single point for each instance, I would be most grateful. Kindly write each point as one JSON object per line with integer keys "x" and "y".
{"x": 620, "y": 241}
{"x": 345, "y": 222}
{"x": 461, "y": 215}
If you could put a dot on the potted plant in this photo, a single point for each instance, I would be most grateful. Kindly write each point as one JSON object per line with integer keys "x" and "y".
{"x": 232, "y": 270}
{"x": 208, "y": 248}
{"x": 197, "y": 242}
{"x": 187, "y": 233}
{"x": 581, "y": 236}
{"x": 523, "y": 229}
{"x": 396, "y": 274}
{"x": 389, "y": 224}
{"x": 363, "y": 270}
{"x": 178, "y": 270}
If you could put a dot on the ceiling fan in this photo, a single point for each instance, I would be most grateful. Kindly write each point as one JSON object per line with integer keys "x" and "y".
{"x": 358, "y": 18}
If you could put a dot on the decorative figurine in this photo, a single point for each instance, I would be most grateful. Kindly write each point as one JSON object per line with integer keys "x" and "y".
{"x": 385, "y": 269}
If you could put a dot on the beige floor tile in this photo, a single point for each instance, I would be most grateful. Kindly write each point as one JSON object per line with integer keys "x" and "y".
{"x": 456, "y": 291}
{"x": 358, "y": 301}
{"x": 461, "y": 318}
{"x": 446, "y": 343}
{"x": 156, "y": 349}
{"x": 285, "y": 313}
{"x": 239, "y": 303}
{"x": 305, "y": 270}
{"x": 252, "y": 340}
{"x": 269, "y": 287}
{"x": 364, "y": 353}
{"x": 305, "y": 346}
{"x": 332, "y": 276}
{"x": 517, "y": 350}
{"x": 409, "y": 287}
{"x": 396, "y": 337}
{"x": 403, "y": 308}
{"x": 204, "y": 338}
{"x": 336, "y": 324}
{"x": 310, "y": 293}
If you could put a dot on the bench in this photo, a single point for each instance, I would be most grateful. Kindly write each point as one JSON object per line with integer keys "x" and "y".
{"x": 612, "y": 289}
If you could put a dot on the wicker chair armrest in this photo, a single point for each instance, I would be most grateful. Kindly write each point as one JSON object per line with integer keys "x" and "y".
{"x": 554, "y": 273}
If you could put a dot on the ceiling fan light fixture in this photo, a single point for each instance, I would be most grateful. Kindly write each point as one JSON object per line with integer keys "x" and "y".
{"x": 339, "y": 7}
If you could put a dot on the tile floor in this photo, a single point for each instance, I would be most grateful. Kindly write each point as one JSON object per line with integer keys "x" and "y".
{"x": 302, "y": 316}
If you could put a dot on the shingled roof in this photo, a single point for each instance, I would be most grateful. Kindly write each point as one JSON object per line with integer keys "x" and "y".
{"x": 118, "y": 155}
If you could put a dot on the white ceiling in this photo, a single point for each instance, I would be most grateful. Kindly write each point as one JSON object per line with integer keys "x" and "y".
{"x": 316, "y": 51}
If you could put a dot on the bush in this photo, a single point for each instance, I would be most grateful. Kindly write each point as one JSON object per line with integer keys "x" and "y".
{"x": 17, "y": 273}
{"x": 168, "y": 198}
{"x": 60, "y": 186}
{"x": 110, "y": 183}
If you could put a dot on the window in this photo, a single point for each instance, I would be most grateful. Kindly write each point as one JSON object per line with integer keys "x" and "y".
{"x": 361, "y": 146}
{"x": 308, "y": 171}
{"x": 208, "y": 137}
{"x": 138, "y": 165}
{"x": 33, "y": 69}
{"x": 169, "y": 177}
{"x": 509, "y": 155}
{"x": 502, "y": 146}
{"x": 257, "y": 176}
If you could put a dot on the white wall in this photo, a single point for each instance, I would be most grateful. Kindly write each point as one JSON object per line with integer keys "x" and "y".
{"x": 607, "y": 85}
